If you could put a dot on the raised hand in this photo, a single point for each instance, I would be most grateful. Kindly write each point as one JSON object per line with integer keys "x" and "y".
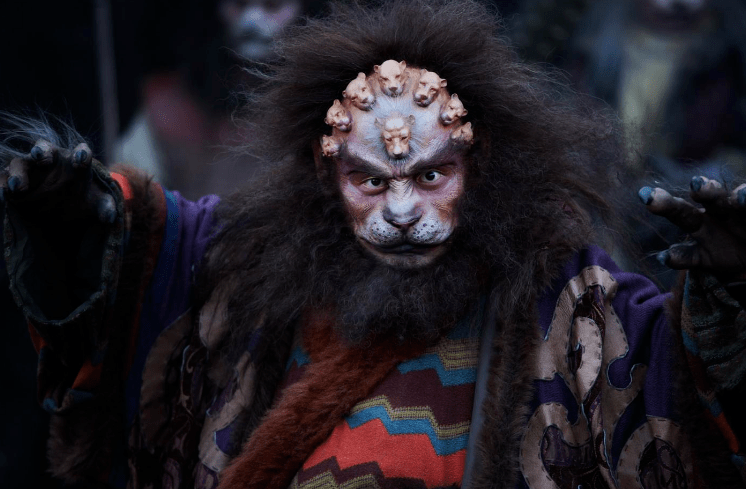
{"x": 717, "y": 229}
{"x": 57, "y": 183}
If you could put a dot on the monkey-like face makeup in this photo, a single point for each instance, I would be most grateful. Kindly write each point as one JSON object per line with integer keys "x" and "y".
{"x": 400, "y": 166}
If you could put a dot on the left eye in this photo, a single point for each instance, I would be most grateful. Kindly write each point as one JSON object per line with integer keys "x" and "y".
{"x": 430, "y": 176}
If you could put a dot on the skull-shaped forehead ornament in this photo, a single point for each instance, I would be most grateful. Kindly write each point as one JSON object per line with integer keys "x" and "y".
{"x": 398, "y": 107}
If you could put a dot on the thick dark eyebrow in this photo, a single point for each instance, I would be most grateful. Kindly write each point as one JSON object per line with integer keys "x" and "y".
{"x": 423, "y": 165}
{"x": 363, "y": 166}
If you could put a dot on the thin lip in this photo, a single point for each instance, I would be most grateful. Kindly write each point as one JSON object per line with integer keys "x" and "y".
{"x": 405, "y": 248}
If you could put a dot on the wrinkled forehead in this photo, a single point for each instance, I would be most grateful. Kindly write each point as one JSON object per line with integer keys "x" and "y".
{"x": 427, "y": 136}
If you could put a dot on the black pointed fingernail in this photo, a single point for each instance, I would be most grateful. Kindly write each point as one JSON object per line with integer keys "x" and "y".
{"x": 742, "y": 197}
{"x": 646, "y": 195}
{"x": 81, "y": 156}
{"x": 37, "y": 153}
{"x": 14, "y": 183}
{"x": 697, "y": 183}
{"x": 106, "y": 213}
{"x": 663, "y": 257}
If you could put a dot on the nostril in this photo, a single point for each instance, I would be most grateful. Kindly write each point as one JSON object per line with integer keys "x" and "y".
{"x": 401, "y": 220}
{"x": 405, "y": 223}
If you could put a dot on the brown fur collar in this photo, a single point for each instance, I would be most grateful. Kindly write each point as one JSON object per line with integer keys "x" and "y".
{"x": 309, "y": 410}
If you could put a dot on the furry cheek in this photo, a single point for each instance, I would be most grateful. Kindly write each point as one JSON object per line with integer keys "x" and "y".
{"x": 376, "y": 230}
{"x": 432, "y": 230}
{"x": 367, "y": 221}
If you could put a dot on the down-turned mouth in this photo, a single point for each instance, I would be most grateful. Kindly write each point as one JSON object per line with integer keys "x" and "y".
{"x": 405, "y": 248}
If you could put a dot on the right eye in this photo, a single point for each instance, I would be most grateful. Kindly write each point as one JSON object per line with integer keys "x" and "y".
{"x": 373, "y": 185}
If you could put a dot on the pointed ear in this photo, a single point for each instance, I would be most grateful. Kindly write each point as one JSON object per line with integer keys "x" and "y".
{"x": 465, "y": 112}
{"x": 443, "y": 83}
{"x": 402, "y": 65}
{"x": 376, "y": 69}
{"x": 378, "y": 123}
{"x": 454, "y": 96}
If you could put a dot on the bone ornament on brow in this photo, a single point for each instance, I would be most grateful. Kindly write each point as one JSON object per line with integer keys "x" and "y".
{"x": 397, "y": 104}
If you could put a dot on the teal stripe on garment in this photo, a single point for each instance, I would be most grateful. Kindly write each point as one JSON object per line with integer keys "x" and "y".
{"x": 299, "y": 356}
{"x": 410, "y": 427}
{"x": 447, "y": 377}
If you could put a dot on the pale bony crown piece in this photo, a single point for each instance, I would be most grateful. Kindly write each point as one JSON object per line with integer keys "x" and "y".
{"x": 399, "y": 105}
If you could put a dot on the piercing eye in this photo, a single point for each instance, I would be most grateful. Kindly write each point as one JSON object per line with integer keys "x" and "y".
{"x": 373, "y": 183}
{"x": 430, "y": 177}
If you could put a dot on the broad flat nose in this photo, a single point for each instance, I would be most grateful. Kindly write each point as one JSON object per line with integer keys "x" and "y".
{"x": 401, "y": 221}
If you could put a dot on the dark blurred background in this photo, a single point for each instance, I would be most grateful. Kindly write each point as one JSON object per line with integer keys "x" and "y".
{"x": 150, "y": 82}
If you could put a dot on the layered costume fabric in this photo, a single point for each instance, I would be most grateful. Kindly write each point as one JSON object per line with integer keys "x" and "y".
{"x": 601, "y": 391}
{"x": 267, "y": 341}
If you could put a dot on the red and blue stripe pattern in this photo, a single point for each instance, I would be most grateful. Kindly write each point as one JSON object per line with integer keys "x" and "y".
{"x": 411, "y": 431}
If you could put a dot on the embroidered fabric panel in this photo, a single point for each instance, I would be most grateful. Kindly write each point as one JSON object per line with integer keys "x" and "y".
{"x": 412, "y": 430}
{"x": 602, "y": 414}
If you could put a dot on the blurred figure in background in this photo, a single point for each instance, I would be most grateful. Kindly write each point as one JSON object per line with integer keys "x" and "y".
{"x": 183, "y": 129}
{"x": 675, "y": 70}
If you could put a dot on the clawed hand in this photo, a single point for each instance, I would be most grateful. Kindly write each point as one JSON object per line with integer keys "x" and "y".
{"x": 55, "y": 180}
{"x": 717, "y": 230}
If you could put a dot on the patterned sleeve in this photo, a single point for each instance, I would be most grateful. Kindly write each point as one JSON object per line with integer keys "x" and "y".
{"x": 603, "y": 413}
{"x": 635, "y": 388}
{"x": 188, "y": 228}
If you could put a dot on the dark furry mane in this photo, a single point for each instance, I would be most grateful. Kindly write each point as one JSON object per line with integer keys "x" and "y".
{"x": 459, "y": 40}
{"x": 537, "y": 169}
